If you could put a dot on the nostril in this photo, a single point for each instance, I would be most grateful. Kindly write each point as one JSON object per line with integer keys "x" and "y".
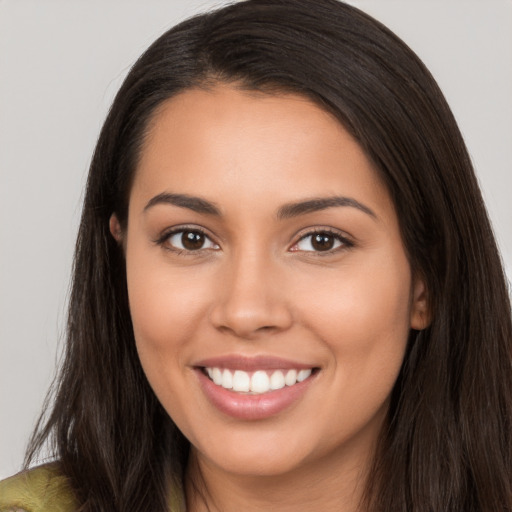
{"x": 246, "y": 317}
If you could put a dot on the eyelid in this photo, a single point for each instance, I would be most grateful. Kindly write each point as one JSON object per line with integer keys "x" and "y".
{"x": 166, "y": 234}
{"x": 346, "y": 240}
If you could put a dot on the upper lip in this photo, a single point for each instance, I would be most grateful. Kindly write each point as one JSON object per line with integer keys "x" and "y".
{"x": 261, "y": 362}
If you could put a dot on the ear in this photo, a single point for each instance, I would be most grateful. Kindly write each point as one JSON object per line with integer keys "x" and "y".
{"x": 420, "y": 307}
{"x": 115, "y": 228}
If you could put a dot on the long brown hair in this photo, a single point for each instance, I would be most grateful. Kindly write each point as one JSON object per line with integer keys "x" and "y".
{"x": 447, "y": 442}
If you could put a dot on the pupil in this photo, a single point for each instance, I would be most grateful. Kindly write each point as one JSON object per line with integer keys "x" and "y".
{"x": 322, "y": 242}
{"x": 192, "y": 240}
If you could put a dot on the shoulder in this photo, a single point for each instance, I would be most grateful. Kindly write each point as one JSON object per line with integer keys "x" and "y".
{"x": 42, "y": 489}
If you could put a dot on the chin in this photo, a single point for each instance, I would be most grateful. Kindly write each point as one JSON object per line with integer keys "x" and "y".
{"x": 261, "y": 453}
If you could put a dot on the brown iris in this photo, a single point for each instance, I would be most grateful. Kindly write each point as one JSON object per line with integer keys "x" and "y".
{"x": 192, "y": 240}
{"x": 322, "y": 241}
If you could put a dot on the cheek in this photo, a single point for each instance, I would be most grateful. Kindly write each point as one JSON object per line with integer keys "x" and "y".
{"x": 164, "y": 300}
{"x": 361, "y": 302}
{"x": 159, "y": 308}
{"x": 363, "y": 319}
{"x": 164, "y": 307}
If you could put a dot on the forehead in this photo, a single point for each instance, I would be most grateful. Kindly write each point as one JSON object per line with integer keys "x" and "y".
{"x": 204, "y": 118}
{"x": 226, "y": 141}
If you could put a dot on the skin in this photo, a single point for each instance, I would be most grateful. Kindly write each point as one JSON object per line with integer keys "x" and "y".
{"x": 258, "y": 287}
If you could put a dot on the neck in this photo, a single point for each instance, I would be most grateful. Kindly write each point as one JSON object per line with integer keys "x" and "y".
{"x": 336, "y": 483}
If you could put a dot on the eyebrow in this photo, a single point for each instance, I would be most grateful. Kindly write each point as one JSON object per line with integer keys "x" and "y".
{"x": 286, "y": 211}
{"x": 193, "y": 203}
{"x": 320, "y": 203}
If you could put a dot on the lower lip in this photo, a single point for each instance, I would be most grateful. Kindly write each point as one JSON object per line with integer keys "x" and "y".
{"x": 252, "y": 407}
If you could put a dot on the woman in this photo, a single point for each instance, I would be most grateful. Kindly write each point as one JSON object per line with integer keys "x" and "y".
{"x": 286, "y": 294}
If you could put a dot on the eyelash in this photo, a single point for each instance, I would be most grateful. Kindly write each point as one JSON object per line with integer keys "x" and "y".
{"x": 163, "y": 241}
{"x": 345, "y": 243}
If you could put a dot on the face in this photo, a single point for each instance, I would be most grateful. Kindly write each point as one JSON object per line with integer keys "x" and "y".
{"x": 269, "y": 288}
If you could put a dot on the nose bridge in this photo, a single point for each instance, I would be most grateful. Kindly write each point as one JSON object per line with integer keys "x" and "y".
{"x": 251, "y": 298}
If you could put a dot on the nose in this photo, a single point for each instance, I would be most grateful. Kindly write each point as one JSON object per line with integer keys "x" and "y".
{"x": 251, "y": 299}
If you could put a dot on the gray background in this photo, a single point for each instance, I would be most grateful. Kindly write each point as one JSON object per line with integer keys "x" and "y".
{"x": 61, "y": 63}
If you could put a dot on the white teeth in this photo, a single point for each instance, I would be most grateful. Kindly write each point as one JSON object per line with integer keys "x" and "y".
{"x": 291, "y": 377}
{"x": 277, "y": 380}
{"x": 303, "y": 375}
{"x": 217, "y": 376}
{"x": 241, "y": 381}
{"x": 227, "y": 379}
{"x": 259, "y": 382}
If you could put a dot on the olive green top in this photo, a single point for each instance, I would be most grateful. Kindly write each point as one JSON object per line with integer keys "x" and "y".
{"x": 41, "y": 489}
{"x": 44, "y": 489}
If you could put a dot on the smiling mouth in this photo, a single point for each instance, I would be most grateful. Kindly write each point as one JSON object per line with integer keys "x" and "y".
{"x": 256, "y": 382}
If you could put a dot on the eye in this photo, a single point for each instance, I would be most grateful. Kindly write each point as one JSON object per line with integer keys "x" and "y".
{"x": 321, "y": 241}
{"x": 189, "y": 240}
